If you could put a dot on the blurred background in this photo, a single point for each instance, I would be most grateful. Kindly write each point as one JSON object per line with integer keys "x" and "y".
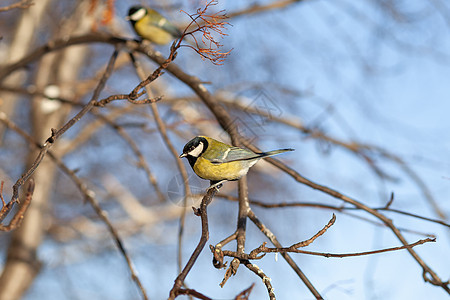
{"x": 360, "y": 89}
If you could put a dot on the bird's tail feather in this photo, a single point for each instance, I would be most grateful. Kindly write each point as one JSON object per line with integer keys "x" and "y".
{"x": 275, "y": 152}
{"x": 260, "y": 155}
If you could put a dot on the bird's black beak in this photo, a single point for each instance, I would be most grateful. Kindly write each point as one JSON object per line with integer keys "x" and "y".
{"x": 182, "y": 155}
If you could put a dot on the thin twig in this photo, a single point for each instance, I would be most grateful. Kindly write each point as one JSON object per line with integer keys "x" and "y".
{"x": 334, "y": 207}
{"x": 18, "y": 217}
{"x": 261, "y": 8}
{"x": 273, "y": 239}
{"x": 163, "y": 132}
{"x": 265, "y": 279}
{"x": 207, "y": 23}
{"x": 202, "y": 212}
{"x": 193, "y": 293}
{"x": 142, "y": 162}
{"x": 89, "y": 196}
{"x": 293, "y": 249}
{"x": 20, "y": 4}
{"x": 245, "y": 294}
{"x": 254, "y": 253}
{"x": 240, "y": 229}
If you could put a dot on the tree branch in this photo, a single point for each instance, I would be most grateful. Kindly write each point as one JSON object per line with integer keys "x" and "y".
{"x": 202, "y": 212}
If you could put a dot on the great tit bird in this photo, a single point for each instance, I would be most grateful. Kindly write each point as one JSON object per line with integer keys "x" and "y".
{"x": 218, "y": 162}
{"x": 152, "y": 26}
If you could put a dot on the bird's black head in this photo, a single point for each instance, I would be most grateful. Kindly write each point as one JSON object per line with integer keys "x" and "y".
{"x": 135, "y": 13}
{"x": 194, "y": 148}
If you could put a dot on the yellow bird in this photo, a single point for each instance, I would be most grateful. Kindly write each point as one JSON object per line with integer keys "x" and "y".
{"x": 219, "y": 162}
{"x": 152, "y": 26}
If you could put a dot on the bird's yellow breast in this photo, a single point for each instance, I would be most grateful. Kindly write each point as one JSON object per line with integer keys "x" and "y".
{"x": 216, "y": 172}
{"x": 152, "y": 33}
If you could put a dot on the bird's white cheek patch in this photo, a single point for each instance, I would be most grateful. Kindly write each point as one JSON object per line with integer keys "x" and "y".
{"x": 138, "y": 15}
{"x": 197, "y": 150}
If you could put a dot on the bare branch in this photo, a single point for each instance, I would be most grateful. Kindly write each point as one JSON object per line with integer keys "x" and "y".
{"x": 21, "y": 4}
{"x": 294, "y": 249}
{"x": 265, "y": 279}
{"x": 261, "y": 8}
{"x": 245, "y": 294}
{"x": 18, "y": 217}
{"x": 333, "y": 207}
{"x": 202, "y": 212}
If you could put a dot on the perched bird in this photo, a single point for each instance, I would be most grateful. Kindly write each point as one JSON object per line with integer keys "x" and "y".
{"x": 152, "y": 26}
{"x": 218, "y": 162}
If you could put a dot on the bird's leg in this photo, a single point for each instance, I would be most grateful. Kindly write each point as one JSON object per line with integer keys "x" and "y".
{"x": 216, "y": 184}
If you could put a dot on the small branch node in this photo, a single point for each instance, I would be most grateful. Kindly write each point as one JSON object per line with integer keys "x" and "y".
{"x": 391, "y": 200}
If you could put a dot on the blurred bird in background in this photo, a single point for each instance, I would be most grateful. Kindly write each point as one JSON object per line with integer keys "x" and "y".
{"x": 152, "y": 26}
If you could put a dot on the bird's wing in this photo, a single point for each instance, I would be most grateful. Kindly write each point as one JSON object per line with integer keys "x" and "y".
{"x": 170, "y": 28}
{"x": 161, "y": 22}
{"x": 236, "y": 154}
